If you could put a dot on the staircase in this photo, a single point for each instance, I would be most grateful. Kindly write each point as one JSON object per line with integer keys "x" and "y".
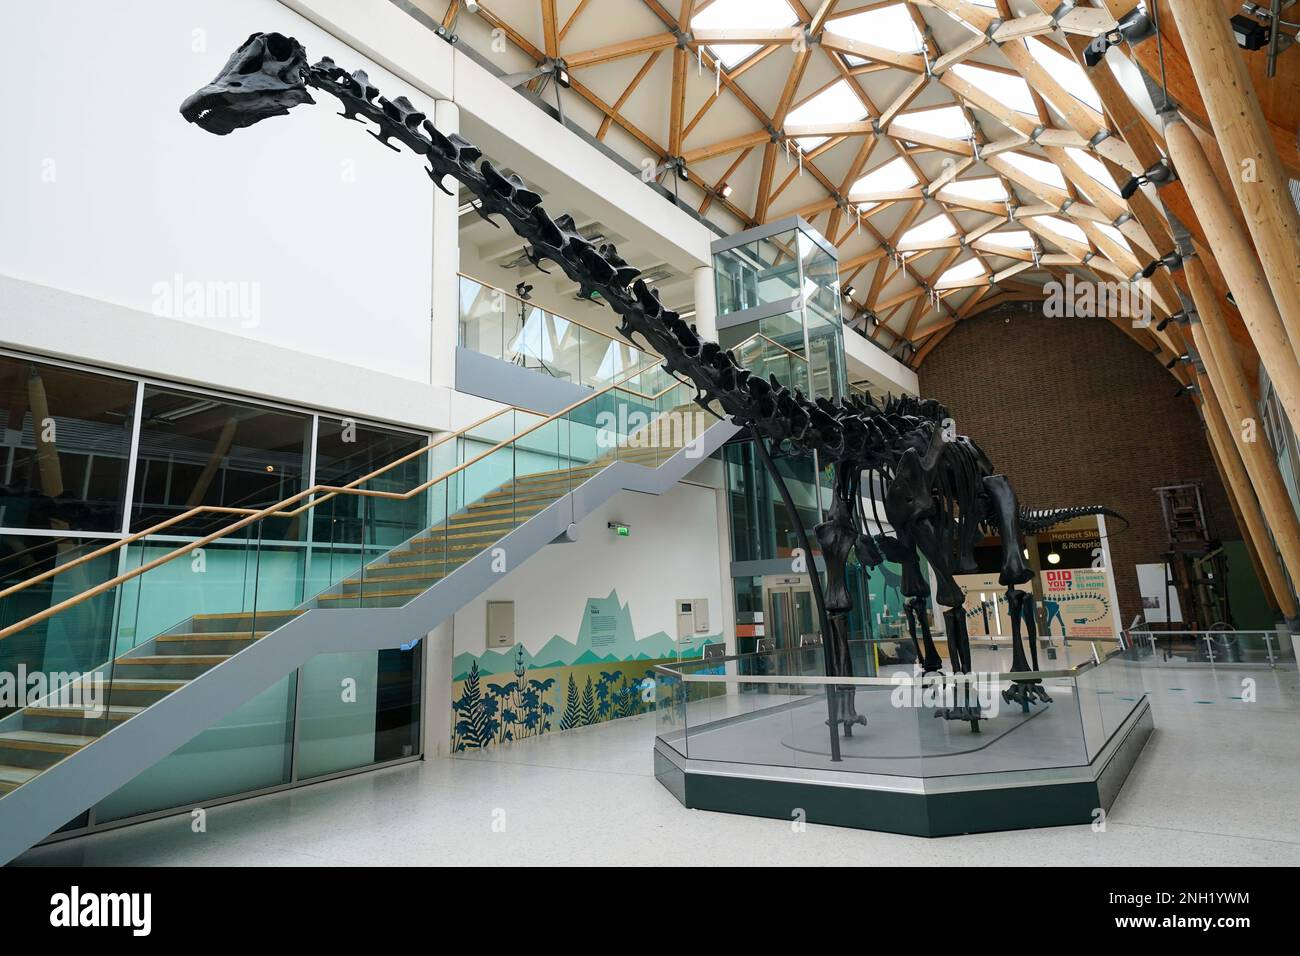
{"x": 58, "y": 757}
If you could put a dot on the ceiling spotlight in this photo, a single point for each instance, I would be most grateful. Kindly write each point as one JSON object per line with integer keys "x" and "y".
{"x": 1171, "y": 261}
{"x": 848, "y": 291}
{"x": 562, "y": 74}
{"x": 524, "y": 291}
{"x": 1158, "y": 174}
{"x": 471, "y": 6}
{"x": 725, "y": 190}
{"x": 1134, "y": 27}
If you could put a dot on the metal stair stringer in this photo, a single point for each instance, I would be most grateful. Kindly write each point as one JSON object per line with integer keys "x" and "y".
{"x": 84, "y": 778}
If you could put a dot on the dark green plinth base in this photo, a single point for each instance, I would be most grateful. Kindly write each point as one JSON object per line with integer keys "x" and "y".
{"x": 936, "y": 806}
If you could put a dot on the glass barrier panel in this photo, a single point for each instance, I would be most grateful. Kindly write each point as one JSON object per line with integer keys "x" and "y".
{"x": 1088, "y": 684}
{"x": 670, "y": 710}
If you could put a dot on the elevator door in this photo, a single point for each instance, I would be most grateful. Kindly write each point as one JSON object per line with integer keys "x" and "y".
{"x": 789, "y": 611}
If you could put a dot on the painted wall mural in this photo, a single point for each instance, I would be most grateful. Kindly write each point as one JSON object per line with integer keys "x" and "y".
{"x": 604, "y": 674}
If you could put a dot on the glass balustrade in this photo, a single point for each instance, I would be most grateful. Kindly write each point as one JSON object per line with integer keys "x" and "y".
{"x": 122, "y": 625}
{"x": 503, "y": 326}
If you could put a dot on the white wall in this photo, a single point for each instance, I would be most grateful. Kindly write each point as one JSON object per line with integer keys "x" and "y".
{"x": 107, "y": 192}
{"x": 671, "y": 553}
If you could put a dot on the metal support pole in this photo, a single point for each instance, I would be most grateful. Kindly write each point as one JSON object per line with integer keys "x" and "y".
{"x": 819, "y": 598}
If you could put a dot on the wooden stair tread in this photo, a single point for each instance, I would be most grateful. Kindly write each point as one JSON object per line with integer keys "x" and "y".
{"x": 173, "y": 659}
{"x": 212, "y": 636}
{"x": 232, "y": 615}
{"x": 13, "y": 776}
{"x": 391, "y": 577}
{"x": 148, "y": 683}
{"x": 116, "y": 712}
{"x": 408, "y": 592}
{"x": 44, "y": 740}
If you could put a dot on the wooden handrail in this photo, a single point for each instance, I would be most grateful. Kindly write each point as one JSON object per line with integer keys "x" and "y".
{"x": 275, "y": 510}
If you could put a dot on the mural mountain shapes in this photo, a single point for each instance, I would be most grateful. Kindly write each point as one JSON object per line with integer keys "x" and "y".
{"x": 605, "y": 635}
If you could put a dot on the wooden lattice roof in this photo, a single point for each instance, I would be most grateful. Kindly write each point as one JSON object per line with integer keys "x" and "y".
{"x": 956, "y": 166}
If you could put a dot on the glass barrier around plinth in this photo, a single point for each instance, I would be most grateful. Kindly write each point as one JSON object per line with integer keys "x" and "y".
{"x": 503, "y": 326}
{"x": 773, "y": 709}
{"x": 1217, "y": 646}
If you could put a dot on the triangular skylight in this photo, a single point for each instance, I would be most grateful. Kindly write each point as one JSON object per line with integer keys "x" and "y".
{"x": 893, "y": 175}
{"x": 988, "y": 189}
{"x": 1020, "y": 239}
{"x": 947, "y": 121}
{"x": 1065, "y": 71}
{"x": 937, "y": 227}
{"x": 1093, "y": 166}
{"x": 1039, "y": 169}
{"x": 742, "y": 14}
{"x": 890, "y": 27}
{"x": 1063, "y": 227}
{"x": 1010, "y": 91}
{"x": 1114, "y": 234}
{"x": 963, "y": 270}
{"x": 835, "y": 104}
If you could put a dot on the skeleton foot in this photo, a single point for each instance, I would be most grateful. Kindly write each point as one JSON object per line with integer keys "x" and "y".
{"x": 849, "y": 715}
{"x": 1026, "y": 693}
{"x": 970, "y": 713}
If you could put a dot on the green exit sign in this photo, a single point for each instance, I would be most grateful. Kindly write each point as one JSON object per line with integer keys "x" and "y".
{"x": 622, "y": 530}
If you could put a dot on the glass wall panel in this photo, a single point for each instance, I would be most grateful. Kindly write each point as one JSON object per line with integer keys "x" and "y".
{"x": 345, "y": 452}
{"x": 761, "y": 527}
{"x": 249, "y": 750}
{"x": 64, "y": 446}
{"x": 199, "y": 450}
{"x": 757, "y": 273}
{"x": 78, "y": 639}
{"x": 503, "y": 326}
{"x": 358, "y": 708}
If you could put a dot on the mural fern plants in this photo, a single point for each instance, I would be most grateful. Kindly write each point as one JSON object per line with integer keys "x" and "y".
{"x": 571, "y": 716}
{"x": 471, "y": 729}
{"x": 588, "y": 713}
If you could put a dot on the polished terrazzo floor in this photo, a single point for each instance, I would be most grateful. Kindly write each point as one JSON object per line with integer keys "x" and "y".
{"x": 1217, "y": 784}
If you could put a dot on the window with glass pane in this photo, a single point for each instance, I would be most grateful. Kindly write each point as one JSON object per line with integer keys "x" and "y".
{"x": 64, "y": 447}
{"x": 199, "y": 450}
{"x": 347, "y": 451}
{"x": 821, "y": 279}
{"x": 757, "y": 273}
{"x": 761, "y": 526}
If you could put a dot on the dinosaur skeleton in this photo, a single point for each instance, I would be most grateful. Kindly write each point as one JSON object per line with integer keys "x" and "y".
{"x": 939, "y": 490}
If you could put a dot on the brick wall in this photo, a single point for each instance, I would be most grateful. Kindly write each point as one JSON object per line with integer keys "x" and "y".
{"x": 1074, "y": 412}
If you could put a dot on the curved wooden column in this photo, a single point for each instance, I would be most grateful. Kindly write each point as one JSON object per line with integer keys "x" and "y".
{"x": 1254, "y": 526}
{"x": 1254, "y": 169}
{"x": 1228, "y": 394}
{"x": 1278, "y": 348}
